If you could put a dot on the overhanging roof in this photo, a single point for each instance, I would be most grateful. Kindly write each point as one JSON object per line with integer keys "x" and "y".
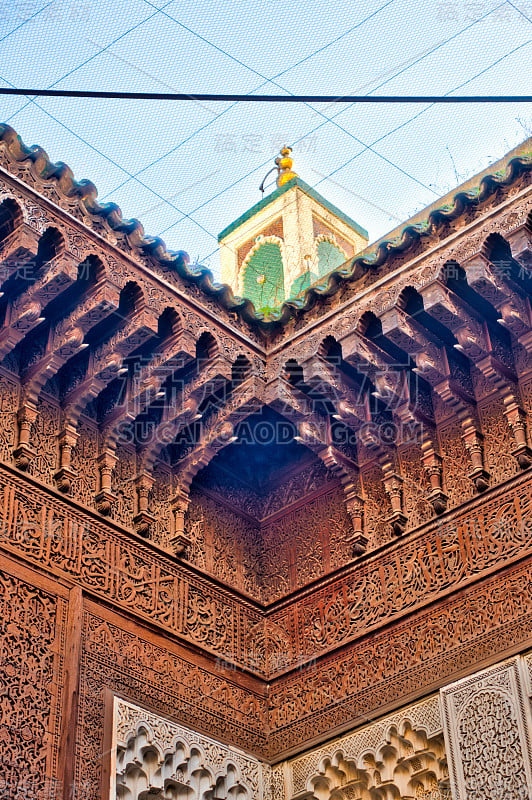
{"x": 429, "y": 223}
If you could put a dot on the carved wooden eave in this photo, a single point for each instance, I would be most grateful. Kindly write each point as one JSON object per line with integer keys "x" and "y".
{"x": 269, "y": 599}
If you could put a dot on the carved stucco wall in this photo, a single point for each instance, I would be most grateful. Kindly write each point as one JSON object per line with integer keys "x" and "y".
{"x": 399, "y": 756}
{"x": 156, "y": 758}
{"x": 472, "y": 741}
{"x": 488, "y": 733}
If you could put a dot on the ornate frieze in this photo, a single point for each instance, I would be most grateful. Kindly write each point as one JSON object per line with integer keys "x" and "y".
{"x": 443, "y": 559}
{"x": 424, "y": 651}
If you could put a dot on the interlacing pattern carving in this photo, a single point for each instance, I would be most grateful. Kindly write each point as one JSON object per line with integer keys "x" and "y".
{"x": 413, "y": 505}
{"x": 159, "y": 504}
{"x": 229, "y": 546}
{"x": 377, "y": 506}
{"x": 397, "y": 581}
{"x": 447, "y": 557}
{"x": 456, "y": 467}
{"x": 293, "y": 487}
{"x": 123, "y": 486}
{"x": 305, "y": 543}
{"x": 137, "y": 579}
{"x": 497, "y": 441}
{"x": 416, "y": 486}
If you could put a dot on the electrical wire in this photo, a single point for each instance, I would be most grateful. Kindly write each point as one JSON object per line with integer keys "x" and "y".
{"x": 210, "y": 122}
{"x": 269, "y": 98}
{"x": 384, "y": 136}
{"x": 83, "y": 63}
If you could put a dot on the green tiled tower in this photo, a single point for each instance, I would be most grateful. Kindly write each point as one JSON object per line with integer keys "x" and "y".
{"x": 287, "y": 241}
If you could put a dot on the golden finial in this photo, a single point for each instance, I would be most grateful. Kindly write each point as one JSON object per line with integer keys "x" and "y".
{"x": 284, "y": 166}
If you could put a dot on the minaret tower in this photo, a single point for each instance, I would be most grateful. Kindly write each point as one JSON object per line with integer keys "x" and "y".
{"x": 288, "y": 241}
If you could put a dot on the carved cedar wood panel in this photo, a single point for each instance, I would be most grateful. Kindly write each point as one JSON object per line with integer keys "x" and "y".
{"x": 140, "y": 580}
{"x": 32, "y": 624}
{"x": 9, "y": 392}
{"x": 388, "y": 667}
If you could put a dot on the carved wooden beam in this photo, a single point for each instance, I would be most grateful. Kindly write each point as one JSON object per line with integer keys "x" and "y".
{"x": 476, "y": 339}
{"x": 349, "y": 398}
{"x": 66, "y": 337}
{"x": 520, "y": 241}
{"x": 416, "y": 418}
{"x": 385, "y": 454}
{"x": 497, "y": 285}
{"x": 18, "y": 252}
{"x": 314, "y": 433}
{"x": 428, "y": 351}
{"x": 20, "y": 321}
{"x": 180, "y": 413}
{"x": 177, "y": 416}
{"x": 64, "y": 341}
{"x": 172, "y": 354}
{"x": 348, "y": 474}
{"x": 371, "y": 361}
{"x": 293, "y": 404}
{"x": 246, "y": 399}
{"x": 25, "y": 312}
{"x": 106, "y": 359}
{"x": 183, "y": 407}
{"x": 487, "y": 349}
{"x": 447, "y": 375}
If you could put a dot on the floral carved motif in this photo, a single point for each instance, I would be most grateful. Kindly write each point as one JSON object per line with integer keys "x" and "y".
{"x": 30, "y": 622}
{"x": 489, "y": 735}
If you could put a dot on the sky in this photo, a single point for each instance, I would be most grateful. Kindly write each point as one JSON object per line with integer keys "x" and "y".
{"x": 188, "y": 169}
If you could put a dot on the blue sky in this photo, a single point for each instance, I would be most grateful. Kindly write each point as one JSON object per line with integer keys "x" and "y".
{"x": 196, "y": 167}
